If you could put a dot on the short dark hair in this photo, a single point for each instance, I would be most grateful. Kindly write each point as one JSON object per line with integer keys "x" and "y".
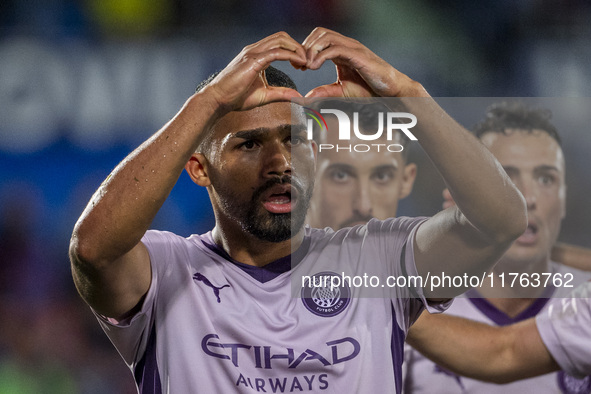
{"x": 516, "y": 115}
{"x": 367, "y": 115}
{"x": 274, "y": 76}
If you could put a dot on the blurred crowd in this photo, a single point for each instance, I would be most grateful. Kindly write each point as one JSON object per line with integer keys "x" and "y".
{"x": 49, "y": 340}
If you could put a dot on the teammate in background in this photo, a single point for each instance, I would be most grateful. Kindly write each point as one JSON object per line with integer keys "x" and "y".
{"x": 557, "y": 338}
{"x": 353, "y": 187}
{"x": 528, "y": 147}
{"x": 564, "y": 253}
{"x": 215, "y": 312}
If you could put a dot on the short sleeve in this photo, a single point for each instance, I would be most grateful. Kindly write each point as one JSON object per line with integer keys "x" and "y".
{"x": 565, "y": 328}
{"x": 397, "y": 236}
{"x": 417, "y": 301}
{"x": 130, "y": 335}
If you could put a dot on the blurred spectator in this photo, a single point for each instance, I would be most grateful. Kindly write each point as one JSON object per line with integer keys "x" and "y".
{"x": 130, "y": 17}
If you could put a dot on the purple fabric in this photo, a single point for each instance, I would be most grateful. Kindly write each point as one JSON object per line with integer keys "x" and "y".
{"x": 500, "y": 318}
{"x": 146, "y": 372}
{"x": 269, "y": 271}
{"x": 397, "y": 348}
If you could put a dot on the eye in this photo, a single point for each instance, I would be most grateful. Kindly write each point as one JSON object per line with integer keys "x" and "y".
{"x": 383, "y": 176}
{"x": 247, "y": 145}
{"x": 546, "y": 180}
{"x": 340, "y": 176}
{"x": 295, "y": 140}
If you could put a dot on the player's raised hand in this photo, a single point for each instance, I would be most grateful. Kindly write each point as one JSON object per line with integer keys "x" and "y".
{"x": 360, "y": 72}
{"x": 242, "y": 84}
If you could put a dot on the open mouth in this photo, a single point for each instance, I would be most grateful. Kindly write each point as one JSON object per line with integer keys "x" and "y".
{"x": 280, "y": 199}
{"x": 529, "y": 236}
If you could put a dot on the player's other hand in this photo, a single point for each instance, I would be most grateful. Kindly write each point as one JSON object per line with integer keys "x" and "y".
{"x": 360, "y": 72}
{"x": 242, "y": 84}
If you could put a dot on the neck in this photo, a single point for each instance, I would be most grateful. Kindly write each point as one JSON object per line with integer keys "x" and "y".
{"x": 247, "y": 249}
{"x": 511, "y": 306}
{"x": 507, "y": 288}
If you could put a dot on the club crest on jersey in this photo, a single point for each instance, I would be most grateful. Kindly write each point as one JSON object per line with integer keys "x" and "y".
{"x": 571, "y": 385}
{"x": 322, "y": 298}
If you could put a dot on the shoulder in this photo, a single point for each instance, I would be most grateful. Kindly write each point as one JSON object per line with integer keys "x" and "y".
{"x": 402, "y": 224}
{"x": 166, "y": 246}
{"x": 567, "y": 278}
{"x": 158, "y": 237}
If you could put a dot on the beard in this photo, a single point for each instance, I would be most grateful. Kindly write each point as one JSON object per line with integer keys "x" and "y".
{"x": 265, "y": 225}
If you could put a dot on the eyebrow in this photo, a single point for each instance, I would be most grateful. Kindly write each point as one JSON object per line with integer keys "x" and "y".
{"x": 546, "y": 167}
{"x": 543, "y": 167}
{"x": 385, "y": 167}
{"x": 345, "y": 166}
{"x": 341, "y": 166}
{"x": 256, "y": 133}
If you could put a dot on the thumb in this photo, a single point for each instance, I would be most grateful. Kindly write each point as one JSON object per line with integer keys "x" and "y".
{"x": 332, "y": 90}
{"x": 280, "y": 94}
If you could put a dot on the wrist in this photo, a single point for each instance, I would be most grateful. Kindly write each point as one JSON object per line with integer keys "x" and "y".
{"x": 206, "y": 106}
{"x": 413, "y": 89}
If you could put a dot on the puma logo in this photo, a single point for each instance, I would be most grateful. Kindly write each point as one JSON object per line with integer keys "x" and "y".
{"x": 216, "y": 290}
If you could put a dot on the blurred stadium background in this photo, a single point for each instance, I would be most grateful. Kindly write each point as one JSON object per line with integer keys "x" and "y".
{"x": 82, "y": 82}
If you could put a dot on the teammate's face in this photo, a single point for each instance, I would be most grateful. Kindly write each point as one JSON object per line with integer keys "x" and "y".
{"x": 353, "y": 187}
{"x": 253, "y": 182}
{"x": 535, "y": 163}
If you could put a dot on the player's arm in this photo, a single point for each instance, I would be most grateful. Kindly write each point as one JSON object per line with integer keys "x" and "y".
{"x": 491, "y": 211}
{"x": 567, "y": 254}
{"x": 574, "y": 256}
{"x": 110, "y": 265}
{"x": 480, "y": 351}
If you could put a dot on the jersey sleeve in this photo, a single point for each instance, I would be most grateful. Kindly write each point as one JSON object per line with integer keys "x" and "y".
{"x": 407, "y": 295}
{"x": 130, "y": 335}
{"x": 565, "y": 328}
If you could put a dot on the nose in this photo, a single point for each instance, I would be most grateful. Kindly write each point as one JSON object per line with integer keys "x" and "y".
{"x": 528, "y": 189}
{"x": 362, "y": 201}
{"x": 277, "y": 160}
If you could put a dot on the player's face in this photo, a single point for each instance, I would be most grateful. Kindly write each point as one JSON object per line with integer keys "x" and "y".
{"x": 535, "y": 163}
{"x": 354, "y": 187}
{"x": 254, "y": 184}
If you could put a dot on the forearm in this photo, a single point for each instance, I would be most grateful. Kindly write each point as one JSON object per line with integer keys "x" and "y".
{"x": 460, "y": 345}
{"x": 481, "y": 351}
{"x": 122, "y": 209}
{"x": 482, "y": 190}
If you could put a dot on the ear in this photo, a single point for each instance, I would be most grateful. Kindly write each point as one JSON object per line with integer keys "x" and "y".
{"x": 315, "y": 151}
{"x": 196, "y": 167}
{"x": 408, "y": 179}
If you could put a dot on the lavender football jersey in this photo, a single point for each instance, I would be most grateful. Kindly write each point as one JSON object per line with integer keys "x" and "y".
{"x": 212, "y": 325}
{"x": 565, "y": 328}
{"x": 424, "y": 376}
